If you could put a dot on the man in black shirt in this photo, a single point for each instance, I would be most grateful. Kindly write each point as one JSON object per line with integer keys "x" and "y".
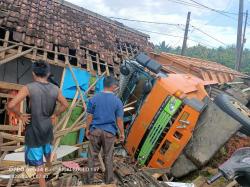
{"x": 39, "y": 130}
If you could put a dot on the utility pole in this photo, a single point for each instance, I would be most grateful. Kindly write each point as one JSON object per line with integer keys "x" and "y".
{"x": 184, "y": 45}
{"x": 244, "y": 39}
{"x": 239, "y": 33}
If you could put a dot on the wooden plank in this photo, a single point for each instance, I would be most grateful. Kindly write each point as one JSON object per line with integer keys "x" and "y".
{"x": 5, "y": 44}
{"x": 40, "y": 57}
{"x": 87, "y": 60}
{"x": 2, "y": 49}
{"x": 107, "y": 68}
{"x": 91, "y": 64}
{"x": 15, "y": 56}
{"x": 65, "y": 122}
{"x": 64, "y": 132}
{"x": 78, "y": 58}
{"x": 12, "y": 137}
{"x": 10, "y": 148}
{"x": 10, "y": 86}
{"x": 56, "y": 55}
{"x": 34, "y": 54}
{"x": 98, "y": 64}
{"x": 62, "y": 80}
{"x": 6, "y": 95}
{"x": 8, "y": 128}
{"x": 42, "y": 49}
{"x": 9, "y": 143}
{"x": 20, "y": 48}
{"x": 76, "y": 82}
{"x": 45, "y": 54}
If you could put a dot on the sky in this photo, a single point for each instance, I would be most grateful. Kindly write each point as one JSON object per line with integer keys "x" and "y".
{"x": 207, "y": 27}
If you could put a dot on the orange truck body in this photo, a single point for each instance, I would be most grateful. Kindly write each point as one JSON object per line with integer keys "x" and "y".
{"x": 174, "y": 141}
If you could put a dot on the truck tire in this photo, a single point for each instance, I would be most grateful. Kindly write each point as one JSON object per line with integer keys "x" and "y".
{"x": 236, "y": 110}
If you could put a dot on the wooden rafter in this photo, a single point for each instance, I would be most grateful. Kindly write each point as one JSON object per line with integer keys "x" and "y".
{"x": 11, "y": 50}
{"x": 7, "y": 48}
{"x": 13, "y": 57}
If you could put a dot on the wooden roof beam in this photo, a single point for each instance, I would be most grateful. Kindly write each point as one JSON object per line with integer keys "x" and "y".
{"x": 16, "y": 56}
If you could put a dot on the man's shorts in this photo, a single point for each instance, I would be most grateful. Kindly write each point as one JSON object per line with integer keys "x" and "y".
{"x": 34, "y": 155}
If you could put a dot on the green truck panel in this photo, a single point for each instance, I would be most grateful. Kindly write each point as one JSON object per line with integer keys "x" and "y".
{"x": 161, "y": 123}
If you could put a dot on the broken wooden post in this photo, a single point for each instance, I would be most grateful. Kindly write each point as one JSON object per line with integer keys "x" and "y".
{"x": 5, "y": 44}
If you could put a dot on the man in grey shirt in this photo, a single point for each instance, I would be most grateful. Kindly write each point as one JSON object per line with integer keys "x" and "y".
{"x": 39, "y": 130}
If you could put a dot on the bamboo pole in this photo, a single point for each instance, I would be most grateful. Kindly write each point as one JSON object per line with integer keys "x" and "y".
{"x": 80, "y": 117}
{"x": 9, "y": 143}
{"x": 76, "y": 82}
{"x": 7, "y": 48}
{"x": 12, "y": 137}
{"x": 65, "y": 131}
{"x": 57, "y": 141}
{"x": 5, "y": 44}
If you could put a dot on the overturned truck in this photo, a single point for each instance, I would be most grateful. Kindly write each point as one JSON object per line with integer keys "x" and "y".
{"x": 176, "y": 114}
{"x": 173, "y": 122}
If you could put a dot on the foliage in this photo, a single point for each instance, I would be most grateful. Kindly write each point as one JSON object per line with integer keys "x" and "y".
{"x": 222, "y": 55}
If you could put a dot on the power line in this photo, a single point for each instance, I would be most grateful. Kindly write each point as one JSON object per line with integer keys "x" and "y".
{"x": 160, "y": 33}
{"x": 172, "y": 24}
{"x": 176, "y": 36}
{"x": 223, "y": 12}
{"x": 198, "y": 29}
{"x": 199, "y": 5}
{"x": 143, "y": 21}
{"x": 184, "y": 3}
{"x": 228, "y": 6}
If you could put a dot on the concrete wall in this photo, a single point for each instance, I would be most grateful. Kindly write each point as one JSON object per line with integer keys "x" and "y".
{"x": 19, "y": 71}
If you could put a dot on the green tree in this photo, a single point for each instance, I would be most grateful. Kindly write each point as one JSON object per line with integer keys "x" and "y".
{"x": 222, "y": 55}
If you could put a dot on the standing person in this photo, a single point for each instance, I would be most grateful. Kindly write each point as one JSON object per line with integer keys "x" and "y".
{"x": 105, "y": 113}
{"x": 39, "y": 130}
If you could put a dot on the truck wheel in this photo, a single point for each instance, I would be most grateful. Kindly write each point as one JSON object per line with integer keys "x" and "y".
{"x": 236, "y": 110}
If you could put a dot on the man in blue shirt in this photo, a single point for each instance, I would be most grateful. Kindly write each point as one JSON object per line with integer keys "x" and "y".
{"x": 105, "y": 117}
